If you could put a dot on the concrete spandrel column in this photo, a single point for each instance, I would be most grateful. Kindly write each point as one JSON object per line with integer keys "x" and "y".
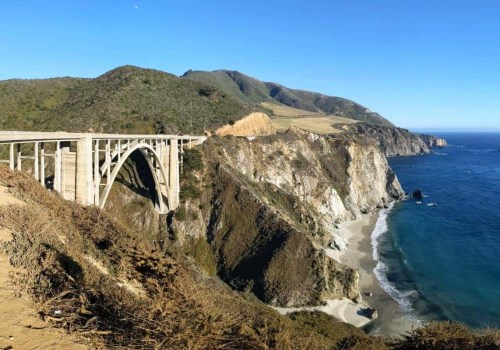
{"x": 57, "y": 167}
{"x": 108, "y": 161}
{"x": 37, "y": 163}
{"x": 84, "y": 173}
{"x": 11, "y": 156}
{"x": 19, "y": 157}
{"x": 174, "y": 174}
{"x": 97, "y": 174}
{"x": 42, "y": 164}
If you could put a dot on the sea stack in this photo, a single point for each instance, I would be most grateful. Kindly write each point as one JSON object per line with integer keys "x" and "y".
{"x": 417, "y": 194}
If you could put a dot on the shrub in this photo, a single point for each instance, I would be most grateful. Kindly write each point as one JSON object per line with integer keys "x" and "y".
{"x": 189, "y": 190}
{"x": 192, "y": 161}
{"x": 449, "y": 336}
{"x": 180, "y": 213}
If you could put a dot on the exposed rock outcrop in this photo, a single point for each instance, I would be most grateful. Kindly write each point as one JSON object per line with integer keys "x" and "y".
{"x": 253, "y": 124}
{"x": 269, "y": 206}
{"x": 393, "y": 141}
{"x": 275, "y": 203}
{"x": 260, "y": 249}
{"x": 433, "y": 141}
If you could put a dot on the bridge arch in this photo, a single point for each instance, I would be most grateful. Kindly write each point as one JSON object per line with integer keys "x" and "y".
{"x": 149, "y": 154}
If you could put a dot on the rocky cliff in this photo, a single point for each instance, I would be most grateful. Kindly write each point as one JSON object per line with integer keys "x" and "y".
{"x": 393, "y": 141}
{"x": 272, "y": 204}
{"x": 433, "y": 141}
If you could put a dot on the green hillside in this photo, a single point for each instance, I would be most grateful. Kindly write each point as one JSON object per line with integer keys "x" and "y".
{"x": 126, "y": 99}
{"x": 256, "y": 92}
{"x": 135, "y": 100}
{"x": 23, "y": 102}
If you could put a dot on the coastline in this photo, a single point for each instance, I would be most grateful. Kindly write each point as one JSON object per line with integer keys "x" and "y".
{"x": 358, "y": 255}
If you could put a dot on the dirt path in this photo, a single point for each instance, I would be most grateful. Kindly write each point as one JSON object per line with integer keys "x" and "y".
{"x": 20, "y": 326}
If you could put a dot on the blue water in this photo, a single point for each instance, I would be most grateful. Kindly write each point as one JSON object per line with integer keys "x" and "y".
{"x": 443, "y": 262}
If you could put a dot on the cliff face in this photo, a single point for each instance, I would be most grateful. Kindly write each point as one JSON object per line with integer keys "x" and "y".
{"x": 393, "y": 141}
{"x": 260, "y": 248}
{"x": 261, "y": 212}
{"x": 433, "y": 141}
{"x": 271, "y": 206}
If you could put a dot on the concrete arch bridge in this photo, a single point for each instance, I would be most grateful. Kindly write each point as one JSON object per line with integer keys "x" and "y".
{"x": 82, "y": 167}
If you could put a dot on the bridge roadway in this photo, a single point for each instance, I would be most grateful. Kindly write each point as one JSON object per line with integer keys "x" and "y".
{"x": 83, "y": 166}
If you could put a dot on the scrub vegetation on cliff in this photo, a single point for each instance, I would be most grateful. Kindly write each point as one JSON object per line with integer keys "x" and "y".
{"x": 269, "y": 207}
{"x": 115, "y": 288}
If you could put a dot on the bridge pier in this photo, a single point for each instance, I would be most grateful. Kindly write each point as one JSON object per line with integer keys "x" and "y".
{"x": 174, "y": 173}
{"x": 84, "y": 171}
{"x": 42, "y": 163}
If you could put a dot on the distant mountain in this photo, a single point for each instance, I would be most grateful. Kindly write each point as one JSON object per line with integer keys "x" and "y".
{"x": 258, "y": 93}
{"x": 126, "y": 99}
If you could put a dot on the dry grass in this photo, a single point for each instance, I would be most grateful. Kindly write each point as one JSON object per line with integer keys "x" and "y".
{"x": 449, "y": 336}
{"x": 286, "y": 111}
{"x": 179, "y": 308}
{"x": 319, "y": 123}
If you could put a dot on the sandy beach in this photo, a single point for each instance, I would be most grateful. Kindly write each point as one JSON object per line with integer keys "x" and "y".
{"x": 359, "y": 255}
{"x": 343, "y": 309}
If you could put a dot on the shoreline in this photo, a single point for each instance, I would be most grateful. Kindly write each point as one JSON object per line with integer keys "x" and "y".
{"x": 391, "y": 321}
{"x": 359, "y": 255}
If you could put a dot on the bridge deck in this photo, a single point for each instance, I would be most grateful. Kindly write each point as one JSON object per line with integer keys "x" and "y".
{"x": 30, "y": 136}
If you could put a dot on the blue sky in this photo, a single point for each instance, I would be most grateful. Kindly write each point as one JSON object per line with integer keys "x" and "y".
{"x": 421, "y": 64}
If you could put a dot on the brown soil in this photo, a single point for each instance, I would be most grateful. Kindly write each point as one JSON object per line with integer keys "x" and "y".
{"x": 20, "y": 324}
{"x": 253, "y": 124}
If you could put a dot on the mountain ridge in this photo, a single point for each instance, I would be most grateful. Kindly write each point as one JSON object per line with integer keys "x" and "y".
{"x": 257, "y": 91}
{"x": 131, "y": 99}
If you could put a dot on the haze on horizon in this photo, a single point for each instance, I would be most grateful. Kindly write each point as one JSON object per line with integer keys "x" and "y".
{"x": 421, "y": 64}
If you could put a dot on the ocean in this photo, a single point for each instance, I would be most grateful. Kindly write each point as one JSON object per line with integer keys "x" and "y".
{"x": 441, "y": 259}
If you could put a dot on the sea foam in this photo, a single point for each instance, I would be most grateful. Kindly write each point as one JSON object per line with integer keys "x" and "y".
{"x": 381, "y": 228}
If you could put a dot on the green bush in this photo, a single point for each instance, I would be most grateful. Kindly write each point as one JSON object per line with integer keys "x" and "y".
{"x": 192, "y": 161}
{"x": 180, "y": 213}
{"x": 189, "y": 191}
{"x": 193, "y": 215}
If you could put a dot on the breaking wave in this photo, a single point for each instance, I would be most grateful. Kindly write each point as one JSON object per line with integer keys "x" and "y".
{"x": 381, "y": 228}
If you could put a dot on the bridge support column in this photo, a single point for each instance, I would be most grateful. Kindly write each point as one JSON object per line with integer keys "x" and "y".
{"x": 97, "y": 174}
{"x": 37, "y": 163}
{"x": 11, "y": 156}
{"x": 19, "y": 157}
{"x": 58, "y": 168}
{"x": 164, "y": 155}
{"x": 174, "y": 173}
{"x": 84, "y": 171}
{"x": 42, "y": 164}
{"x": 65, "y": 173}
